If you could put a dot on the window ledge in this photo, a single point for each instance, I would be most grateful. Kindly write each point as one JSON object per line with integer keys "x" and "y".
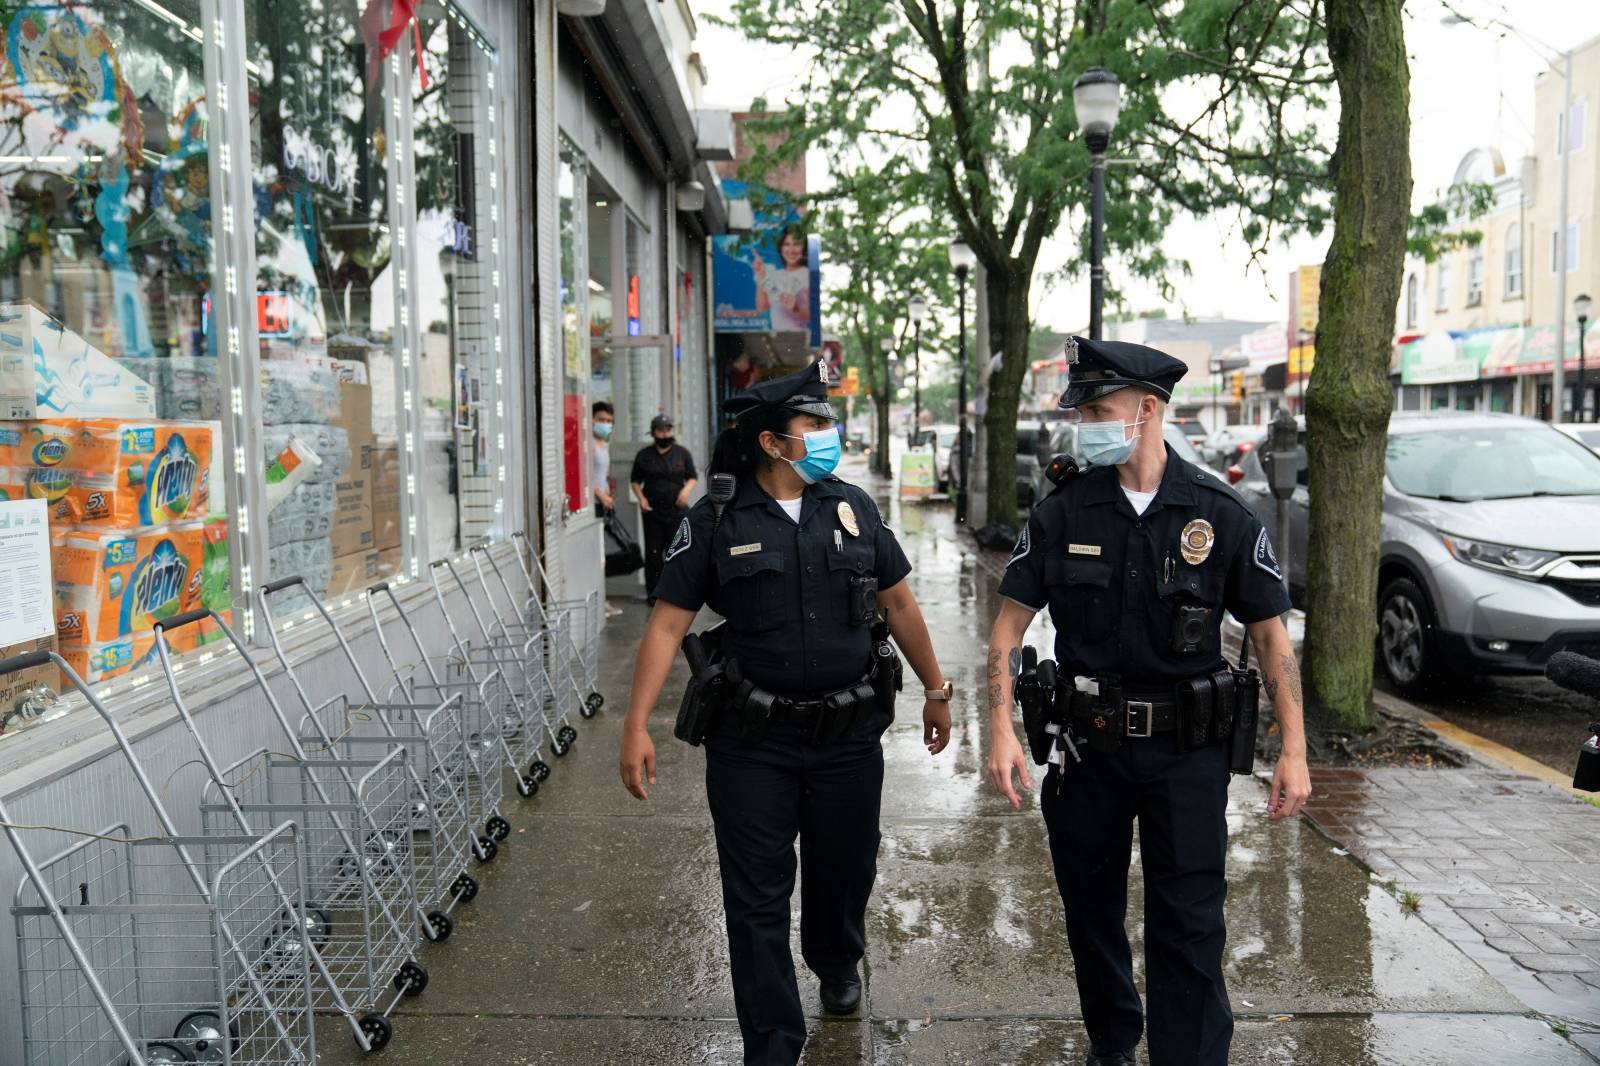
{"x": 142, "y": 704}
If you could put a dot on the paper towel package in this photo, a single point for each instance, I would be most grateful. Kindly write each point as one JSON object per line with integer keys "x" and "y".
{"x": 109, "y": 585}
{"x": 48, "y": 371}
{"x": 109, "y": 472}
{"x": 103, "y": 660}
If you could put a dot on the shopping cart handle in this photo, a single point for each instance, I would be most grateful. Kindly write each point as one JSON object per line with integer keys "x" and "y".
{"x": 282, "y": 583}
{"x": 178, "y": 621}
{"x": 27, "y": 660}
{"x": 382, "y": 586}
{"x": 480, "y": 547}
{"x": 438, "y": 563}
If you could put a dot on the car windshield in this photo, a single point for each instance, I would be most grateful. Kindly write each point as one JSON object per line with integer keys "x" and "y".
{"x": 1590, "y": 435}
{"x": 1492, "y": 463}
{"x": 1181, "y": 444}
{"x": 947, "y": 437}
{"x": 1028, "y": 439}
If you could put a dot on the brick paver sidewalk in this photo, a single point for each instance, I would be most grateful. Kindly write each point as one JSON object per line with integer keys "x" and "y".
{"x": 1508, "y": 868}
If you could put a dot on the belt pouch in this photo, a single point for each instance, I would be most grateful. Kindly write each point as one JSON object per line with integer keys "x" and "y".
{"x": 1222, "y": 715}
{"x": 838, "y": 714}
{"x": 1106, "y": 717}
{"x": 1195, "y": 713}
{"x": 688, "y": 726}
{"x": 758, "y": 707}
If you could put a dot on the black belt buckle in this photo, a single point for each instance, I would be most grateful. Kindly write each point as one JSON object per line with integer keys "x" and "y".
{"x": 1139, "y": 719}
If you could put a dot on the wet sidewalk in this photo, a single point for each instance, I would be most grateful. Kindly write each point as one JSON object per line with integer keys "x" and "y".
{"x": 598, "y": 936}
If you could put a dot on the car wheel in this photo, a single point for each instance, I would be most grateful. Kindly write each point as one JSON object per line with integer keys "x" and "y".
{"x": 1405, "y": 636}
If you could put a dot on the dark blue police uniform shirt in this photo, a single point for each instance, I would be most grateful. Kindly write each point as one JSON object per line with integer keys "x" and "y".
{"x": 785, "y": 588}
{"x": 1113, "y": 580}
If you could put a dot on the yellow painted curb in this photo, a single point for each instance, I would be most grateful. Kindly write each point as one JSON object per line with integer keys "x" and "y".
{"x": 1499, "y": 753}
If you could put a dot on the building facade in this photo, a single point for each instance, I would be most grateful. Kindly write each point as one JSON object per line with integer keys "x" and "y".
{"x": 321, "y": 289}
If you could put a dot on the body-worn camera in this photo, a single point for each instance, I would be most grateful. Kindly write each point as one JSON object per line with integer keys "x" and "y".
{"x": 1190, "y": 624}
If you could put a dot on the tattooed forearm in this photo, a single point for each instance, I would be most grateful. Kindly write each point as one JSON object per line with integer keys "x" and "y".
{"x": 996, "y": 673}
{"x": 1290, "y": 671}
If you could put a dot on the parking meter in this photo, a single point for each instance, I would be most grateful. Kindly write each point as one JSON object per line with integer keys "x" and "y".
{"x": 1282, "y": 475}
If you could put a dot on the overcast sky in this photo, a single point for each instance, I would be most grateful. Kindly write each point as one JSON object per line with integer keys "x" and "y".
{"x": 1469, "y": 87}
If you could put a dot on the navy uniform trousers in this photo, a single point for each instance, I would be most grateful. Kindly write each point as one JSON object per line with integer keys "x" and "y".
{"x": 1179, "y": 801}
{"x": 762, "y": 796}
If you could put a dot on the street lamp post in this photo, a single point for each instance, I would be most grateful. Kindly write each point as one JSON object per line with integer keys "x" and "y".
{"x": 1581, "y": 305}
{"x": 916, "y": 311}
{"x": 962, "y": 258}
{"x": 1097, "y": 97}
{"x": 887, "y": 394}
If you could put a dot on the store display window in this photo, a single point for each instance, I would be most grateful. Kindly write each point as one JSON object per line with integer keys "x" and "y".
{"x": 582, "y": 296}
{"x": 325, "y": 297}
{"x": 105, "y": 269}
{"x": 455, "y": 134}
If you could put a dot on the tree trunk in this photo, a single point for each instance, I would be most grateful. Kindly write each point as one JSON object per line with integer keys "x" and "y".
{"x": 1008, "y": 335}
{"x": 1348, "y": 403}
{"x": 880, "y": 399}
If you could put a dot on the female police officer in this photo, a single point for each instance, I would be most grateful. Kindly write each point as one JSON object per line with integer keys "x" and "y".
{"x": 789, "y": 563}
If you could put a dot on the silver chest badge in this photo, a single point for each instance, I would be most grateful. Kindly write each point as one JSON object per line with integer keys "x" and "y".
{"x": 847, "y": 519}
{"x": 1196, "y": 540}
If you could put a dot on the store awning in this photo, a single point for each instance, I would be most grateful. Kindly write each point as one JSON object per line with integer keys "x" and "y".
{"x": 1496, "y": 351}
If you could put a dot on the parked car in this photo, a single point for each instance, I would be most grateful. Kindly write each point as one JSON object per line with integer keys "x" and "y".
{"x": 1490, "y": 553}
{"x": 1222, "y": 445}
{"x": 941, "y": 437}
{"x": 1191, "y": 428}
{"x": 1033, "y": 452}
{"x": 1588, "y": 433}
{"x": 1064, "y": 439}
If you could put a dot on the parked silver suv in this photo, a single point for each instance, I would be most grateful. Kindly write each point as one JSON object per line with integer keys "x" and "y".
{"x": 1490, "y": 559}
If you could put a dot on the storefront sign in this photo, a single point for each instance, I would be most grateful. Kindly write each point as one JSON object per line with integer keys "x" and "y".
{"x": 1468, "y": 355}
{"x": 319, "y": 164}
{"x": 916, "y": 475}
{"x": 767, "y": 281}
{"x": 274, "y": 314}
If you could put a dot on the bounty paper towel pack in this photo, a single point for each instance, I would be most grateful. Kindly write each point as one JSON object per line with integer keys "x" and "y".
{"x": 110, "y": 584}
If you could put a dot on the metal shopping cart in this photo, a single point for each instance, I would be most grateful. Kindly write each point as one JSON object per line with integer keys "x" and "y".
{"x": 576, "y": 619}
{"x": 519, "y": 655}
{"x": 486, "y": 700}
{"x": 435, "y": 733}
{"x": 356, "y": 823}
{"x": 236, "y": 946}
{"x": 124, "y": 958}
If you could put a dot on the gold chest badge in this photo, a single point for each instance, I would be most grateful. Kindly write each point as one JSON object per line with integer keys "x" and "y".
{"x": 1196, "y": 540}
{"x": 847, "y": 519}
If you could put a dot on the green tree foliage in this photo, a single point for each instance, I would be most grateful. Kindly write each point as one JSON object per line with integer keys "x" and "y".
{"x": 888, "y": 250}
{"x": 966, "y": 107}
{"x": 1437, "y": 228}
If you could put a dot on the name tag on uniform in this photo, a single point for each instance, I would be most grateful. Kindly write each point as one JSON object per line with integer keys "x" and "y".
{"x": 745, "y": 549}
{"x": 1083, "y": 549}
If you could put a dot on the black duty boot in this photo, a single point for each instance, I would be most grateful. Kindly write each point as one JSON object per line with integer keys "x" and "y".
{"x": 842, "y": 996}
{"x": 1109, "y": 1058}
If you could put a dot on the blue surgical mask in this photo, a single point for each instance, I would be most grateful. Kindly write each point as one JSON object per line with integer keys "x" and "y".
{"x": 602, "y": 430}
{"x": 1106, "y": 443}
{"x": 822, "y": 455}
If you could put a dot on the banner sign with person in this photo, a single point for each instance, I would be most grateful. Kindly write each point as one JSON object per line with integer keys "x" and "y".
{"x": 766, "y": 281}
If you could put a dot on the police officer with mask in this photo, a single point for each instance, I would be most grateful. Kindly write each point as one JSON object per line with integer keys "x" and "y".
{"x": 1136, "y": 559}
{"x": 799, "y": 564}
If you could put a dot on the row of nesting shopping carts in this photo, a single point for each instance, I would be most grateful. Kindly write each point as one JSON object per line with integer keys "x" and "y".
{"x": 322, "y": 861}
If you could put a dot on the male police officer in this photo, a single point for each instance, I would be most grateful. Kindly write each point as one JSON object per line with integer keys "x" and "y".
{"x": 1136, "y": 560}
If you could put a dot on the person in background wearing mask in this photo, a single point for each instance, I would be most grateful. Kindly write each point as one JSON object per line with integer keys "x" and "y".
{"x": 662, "y": 480}
{"x": 799, "y": 564}
{"x": 600, "y": 482}
{"x": 1137, "y": 559}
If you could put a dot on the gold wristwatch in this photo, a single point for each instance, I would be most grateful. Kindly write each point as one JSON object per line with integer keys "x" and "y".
{"x": 943, "y": 692}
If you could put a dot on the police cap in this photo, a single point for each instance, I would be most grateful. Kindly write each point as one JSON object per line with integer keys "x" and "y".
{"x": 1099, "y": 368}
{"x": 804, "y": 392}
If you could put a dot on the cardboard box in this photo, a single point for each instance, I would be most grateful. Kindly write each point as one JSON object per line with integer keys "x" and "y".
{"x": 355, "y": 400}
{"x": 386, "y": 497}
{"x": 352, "y": 516}
{"x": 389, "y": 561}
{"x": 109, "y": 585}
{"x": 354, "y": 572}
{"x": 17, "y": 686}
{"x": 48, "y": 371}
{"x": 109, "y": 472}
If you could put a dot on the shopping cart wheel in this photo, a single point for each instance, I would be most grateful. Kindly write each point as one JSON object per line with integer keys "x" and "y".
{"x": 412, "y": 978}
{"x": 527, "y": 786}
{"x": 319, "y": 926}
{"x": 539, "y": 770}
{"x": 569, "y": 733}
{"x": 497, "y": 827}
{"x": 487, "y": 849}
{"x": 161, "y": 1051}
{"x": 440, "y": 925}
{"x": 560, "y": 746}
{"x": 376, "y": 1028}
{"x": 202, "y": 1033}
{"x": 464, "y": 888}
{"x": 592, "y": 704}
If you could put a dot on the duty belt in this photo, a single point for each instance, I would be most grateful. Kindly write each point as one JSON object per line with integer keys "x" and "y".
{"x": 825, "y": 719}
{"x": 1141, "y": 717}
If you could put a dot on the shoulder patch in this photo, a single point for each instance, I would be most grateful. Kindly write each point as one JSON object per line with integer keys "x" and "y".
{"x": 1021, "y": 549}
{"x": 680, "y": 542}
{"x": 1266, "y": 558}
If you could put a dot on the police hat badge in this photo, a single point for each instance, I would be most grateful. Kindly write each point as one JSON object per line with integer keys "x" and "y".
{"x": 1069, "y": 350}
{"x": 1196, "y": 540}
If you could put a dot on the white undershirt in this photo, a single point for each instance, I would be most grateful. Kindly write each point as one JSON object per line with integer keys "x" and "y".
{"x": 792, "y": 508}
{"x": 1139, "y": 500}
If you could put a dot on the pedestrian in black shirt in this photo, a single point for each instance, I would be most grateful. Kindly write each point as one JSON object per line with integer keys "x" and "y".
{"x": 662, "y": 479}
